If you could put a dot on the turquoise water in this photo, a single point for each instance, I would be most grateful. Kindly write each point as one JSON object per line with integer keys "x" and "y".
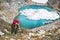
{"x": 35, "y": 7}
{"x": 30, "y": 24}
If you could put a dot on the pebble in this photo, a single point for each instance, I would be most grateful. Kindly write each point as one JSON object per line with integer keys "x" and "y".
{"x": 6, "y": 31}
{"x": 43, "y": 35}
{"x": 50, "y": 33}
{"x": 18, "y": 39}
{"x": 6, "y": 37}
{"x": 22, "y": 34}
{"x": 28, "y": 37}
{"x": 41, "y": 32}
{"x": 58, "y": 30}
{"x": 12, "y": 39}
{"x": 32, "y": 34}
{"x": 1, "y": 33}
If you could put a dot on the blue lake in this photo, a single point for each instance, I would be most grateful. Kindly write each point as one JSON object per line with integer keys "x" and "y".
{"x": 30, "y": 24}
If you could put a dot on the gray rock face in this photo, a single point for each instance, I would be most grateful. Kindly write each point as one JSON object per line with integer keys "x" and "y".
{"x": 56, "y": 2}
{"x": 10, "y": 7}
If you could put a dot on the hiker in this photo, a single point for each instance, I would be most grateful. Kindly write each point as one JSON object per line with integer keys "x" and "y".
{"x": 14, "y": 27}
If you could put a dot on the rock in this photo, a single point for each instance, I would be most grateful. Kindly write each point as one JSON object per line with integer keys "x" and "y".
{"x": 12, "y": 39}
{"x": 1, "y": 33}
{"x": 50, "y": 33}
{"x": 6, "y": 37}
{"x": 6, "y": 31}
{"x": 41, "y": 32}
{"x": 32, "y": 34}
{"x": 58, "y": 30}
{"x": 18, "y": 39}
{"x": 43, "y": 35}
